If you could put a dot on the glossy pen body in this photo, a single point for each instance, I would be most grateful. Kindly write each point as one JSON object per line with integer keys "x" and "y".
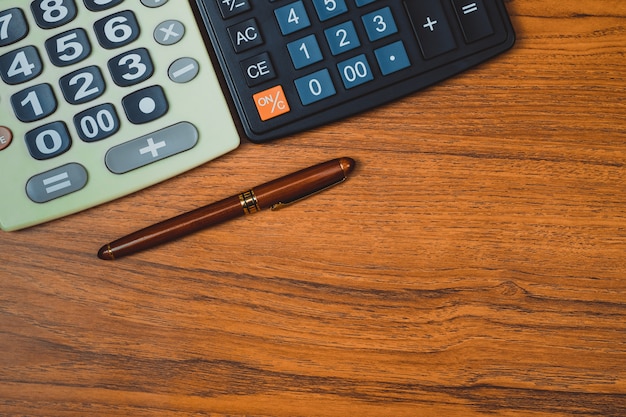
{"x": 273, "y": 194}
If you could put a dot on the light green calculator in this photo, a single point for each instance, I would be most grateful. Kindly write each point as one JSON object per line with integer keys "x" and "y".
{"x": 101, "y": 98}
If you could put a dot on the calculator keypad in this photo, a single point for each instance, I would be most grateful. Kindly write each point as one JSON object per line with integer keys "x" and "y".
{"x": 96, "y": 89}
{"x": 327, "y": 59}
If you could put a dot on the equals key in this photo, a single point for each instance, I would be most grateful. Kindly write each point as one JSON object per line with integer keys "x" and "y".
{"x": 473, "y": 18}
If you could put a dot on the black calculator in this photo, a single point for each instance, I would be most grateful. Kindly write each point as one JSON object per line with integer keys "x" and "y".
{"x": 292, "y": 65}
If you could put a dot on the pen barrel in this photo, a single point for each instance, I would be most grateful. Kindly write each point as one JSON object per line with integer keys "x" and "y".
{"x": 181, "y": 225}
{"x": 308, "y": 181}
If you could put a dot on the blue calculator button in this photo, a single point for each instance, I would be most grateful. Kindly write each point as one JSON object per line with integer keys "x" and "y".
{"x": 117, "y": 30}
{"x": 327, "y": 9}
{"x": 355, "y": 71}
{"x": 145, "y": 105}
{"x": 56, "y": 183}
{"x": 13, "y": 26}
{"x": 34, "y": 103}
{"x": 51, "y": 14}
{"x": 315, "y": 87}
{"x": 48, "y": 141}
{"x": 379, "y": 24}
{"x": 245, "y": 35}
{"x": 304, "y": 51}
{"x": 68, "y": 48}
{"x": 83, "y": 85}
{"x": 97, "y": 123}
{"x": 292, "y": 17}
{"x": 392, "y": 58}
{"x": 21, "y": 65}
{"x": 361, "y": 3}
{"x": 342, "y": 38}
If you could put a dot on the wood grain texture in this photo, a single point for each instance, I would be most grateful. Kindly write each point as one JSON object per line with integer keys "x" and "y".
{"x": 474, "y": 263}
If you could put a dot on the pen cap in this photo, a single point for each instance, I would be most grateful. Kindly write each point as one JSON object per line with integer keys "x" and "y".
{"x": 301, "y": 184}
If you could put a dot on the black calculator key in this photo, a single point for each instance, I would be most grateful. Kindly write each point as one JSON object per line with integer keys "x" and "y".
{"x": 431, "y": 27}
{"x": 117, "y": 30}
{"x": 145, "y": 105}
{"x": 99, "y": 5}
{"x": 21, "y": 65}
{"x": 34, "y": 103}
{"x": 97, "y": 123}
{"x": 230, "y": 8}
{"x": 131, "y": 67}
{"x": 258, "y": 69}
{"x": 473, "y": 18}
{"x": 245, "y": 35}
{"x": 50, "y": 14}
{"x": 68, "y": 48}
{"x": 48, "y": 141}
{"x": 13, "y": 26}
{"x": 83, "y": 85}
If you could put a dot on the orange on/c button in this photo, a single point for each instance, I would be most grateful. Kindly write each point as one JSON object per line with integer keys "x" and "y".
{"x": 5, "y": 137}
{"x": 271, "y": 102}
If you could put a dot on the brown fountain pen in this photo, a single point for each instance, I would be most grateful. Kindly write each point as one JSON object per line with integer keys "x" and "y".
{"x": 273, "y": 194}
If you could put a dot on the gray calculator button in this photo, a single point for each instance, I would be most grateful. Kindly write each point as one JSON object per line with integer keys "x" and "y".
{"x": 169, "y": 32}
{"x": 56, "y": 183}
{"x": 153, "y": 3}
{"x": 151, "y": 148}
{"x": 183, "y": 70}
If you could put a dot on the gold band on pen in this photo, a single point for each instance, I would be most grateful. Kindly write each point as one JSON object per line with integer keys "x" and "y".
{"x": 249, "y": 203}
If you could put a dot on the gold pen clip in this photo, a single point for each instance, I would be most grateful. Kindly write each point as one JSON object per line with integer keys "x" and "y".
{"x": 281, "y": 205}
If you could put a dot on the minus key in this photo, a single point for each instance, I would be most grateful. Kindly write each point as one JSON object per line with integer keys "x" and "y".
{"x": 183, "y": 70}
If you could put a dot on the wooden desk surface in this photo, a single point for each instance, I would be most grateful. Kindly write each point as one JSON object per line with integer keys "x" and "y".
{"x": 474, "y": 264}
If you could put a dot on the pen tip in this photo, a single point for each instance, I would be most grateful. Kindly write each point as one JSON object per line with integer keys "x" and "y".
{"x": 347, "y": 164}
{"x": 105, "y": 253}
